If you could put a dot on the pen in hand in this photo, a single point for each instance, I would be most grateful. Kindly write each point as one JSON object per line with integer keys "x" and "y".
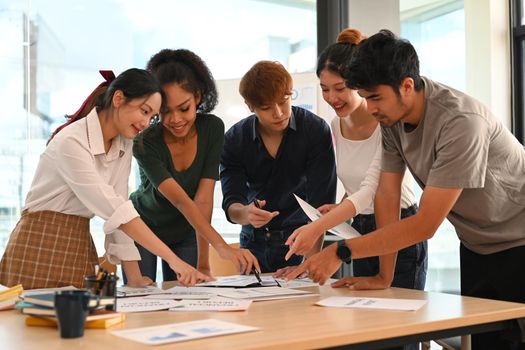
{"x": 256, "y": 203}
{"x": 256, "y": 273}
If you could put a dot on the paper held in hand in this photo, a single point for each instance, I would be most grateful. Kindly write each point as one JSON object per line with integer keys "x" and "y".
{"x": 342, "y": 230}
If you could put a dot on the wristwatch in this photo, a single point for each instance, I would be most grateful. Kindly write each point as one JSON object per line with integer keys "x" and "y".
{"x": 343, "y": 252}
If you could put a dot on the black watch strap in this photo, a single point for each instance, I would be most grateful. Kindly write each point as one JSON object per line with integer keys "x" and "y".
{"x": 343, "y": 252}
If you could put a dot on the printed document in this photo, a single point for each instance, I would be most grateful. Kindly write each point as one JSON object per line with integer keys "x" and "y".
{"x": 177, "y": 332}
{"x": 186, "y": 293}
{"x": 342, "y": 230}
{"x": 238, "y": 281}
{"x": 141, "y": 304}
{"x": 125, "y": 291}
{"x": 213, "y": 304}
{"x": 373, "y": 303}
{"x": 268, "y": 293}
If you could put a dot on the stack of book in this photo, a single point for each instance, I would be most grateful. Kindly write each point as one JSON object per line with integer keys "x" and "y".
{"x": 41, "y": 312}
{"x": 9, "y": 296}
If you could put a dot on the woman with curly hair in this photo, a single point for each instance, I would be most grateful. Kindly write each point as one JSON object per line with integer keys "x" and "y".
{"x": 178, "y": 159}
{"x": 84, "y": 172}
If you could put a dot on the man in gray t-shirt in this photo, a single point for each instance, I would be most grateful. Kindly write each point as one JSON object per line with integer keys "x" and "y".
{"x": 459, "y": 144}
{"x": 471, "y": 169}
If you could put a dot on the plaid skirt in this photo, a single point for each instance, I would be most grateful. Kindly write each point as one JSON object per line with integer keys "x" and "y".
{"x": 48, "y": 249}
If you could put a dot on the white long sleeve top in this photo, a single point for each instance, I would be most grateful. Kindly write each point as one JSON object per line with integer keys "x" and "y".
{"x": 359, "y": 166}
{"x": 75, "y": 176}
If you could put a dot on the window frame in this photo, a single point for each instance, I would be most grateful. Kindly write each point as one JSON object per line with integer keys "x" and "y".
{"x": 332, "y": 18}
{"x": 517, "y": 31}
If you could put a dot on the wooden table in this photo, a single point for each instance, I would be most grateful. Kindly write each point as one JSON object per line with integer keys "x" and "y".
{"x": 295, "y": 324}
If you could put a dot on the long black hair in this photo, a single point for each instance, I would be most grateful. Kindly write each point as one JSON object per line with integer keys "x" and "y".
{"x": 134, "y": 83}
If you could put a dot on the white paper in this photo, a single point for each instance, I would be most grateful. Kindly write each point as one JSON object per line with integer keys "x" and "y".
{"x": 212, "y": 304}
{"x": 266, "y": 293}
{"x": 373, "y": 303}
{"x": 177, "y": 332}
{"x": 141, "y": 304}
{"x": 237, "y": 281}
{"x": 342, "y": 230}
{"x": 125, "y": 291}
{"x": 301, "y": 282}
{"x": 187, "y": 293}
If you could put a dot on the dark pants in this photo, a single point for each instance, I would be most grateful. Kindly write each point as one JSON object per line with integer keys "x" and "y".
{"x": 269, "y": 248}
{"x": 186, "y": 250}
{"x": 498, "y": 276}
{"x": 411, "y": 263}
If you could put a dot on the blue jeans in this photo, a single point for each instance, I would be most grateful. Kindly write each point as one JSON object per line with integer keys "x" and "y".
{"x": 186, "y": 250}
{"x": 269, "y": 248}
{"x": 411, "y": 264}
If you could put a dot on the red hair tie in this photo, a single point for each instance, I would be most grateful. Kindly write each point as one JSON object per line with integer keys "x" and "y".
{"x": 108, "y": 76}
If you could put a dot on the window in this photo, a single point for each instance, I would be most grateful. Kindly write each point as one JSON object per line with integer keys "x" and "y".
{"x": 518, "y": 64}
{"x": 431, "y": 29}
{"x": 51, "y": 53}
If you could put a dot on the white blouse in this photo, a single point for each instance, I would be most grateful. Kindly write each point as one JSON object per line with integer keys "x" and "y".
{"x": 359, "y": 166}
{"x": 75, "y": 176}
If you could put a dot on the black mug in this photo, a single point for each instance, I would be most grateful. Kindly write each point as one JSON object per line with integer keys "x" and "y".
{"x": 72, "y": 308}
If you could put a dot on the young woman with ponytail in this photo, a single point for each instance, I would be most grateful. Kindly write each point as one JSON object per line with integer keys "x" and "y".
{"x": 84, "y": 172}
{"x": 358, "y": 138}
{"x": 178, "y": 158}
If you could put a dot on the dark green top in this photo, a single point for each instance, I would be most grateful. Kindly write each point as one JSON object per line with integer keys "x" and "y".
{"x": 155, "y": 166}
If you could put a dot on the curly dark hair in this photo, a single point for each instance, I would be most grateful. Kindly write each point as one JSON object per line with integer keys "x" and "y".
{"x": 187, "y": 69}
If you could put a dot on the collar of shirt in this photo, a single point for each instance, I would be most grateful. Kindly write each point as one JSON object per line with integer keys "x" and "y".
{"x": 255, "y": 133}
{"x": 96, "y": 139}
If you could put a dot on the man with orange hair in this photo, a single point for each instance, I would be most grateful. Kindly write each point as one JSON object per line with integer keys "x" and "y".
{"x": 278, "y": 151}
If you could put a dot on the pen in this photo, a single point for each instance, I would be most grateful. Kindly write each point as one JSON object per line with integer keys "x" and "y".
{"x": 99, "y": 275}
{"x": 256, "y": 203}
{"x": 256, "y": 273}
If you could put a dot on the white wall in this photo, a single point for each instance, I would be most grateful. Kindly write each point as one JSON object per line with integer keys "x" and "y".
{"x": 488, "y": 55}
{"x": 371, "y": 16}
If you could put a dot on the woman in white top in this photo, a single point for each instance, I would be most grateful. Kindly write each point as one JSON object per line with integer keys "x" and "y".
{"x": 358, "y": 146}
{"x": 84, "y": 172}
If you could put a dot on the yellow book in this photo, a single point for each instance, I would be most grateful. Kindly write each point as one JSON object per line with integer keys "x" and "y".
{"x": 9, "y": 296}
{"x": 93, "y": 324}
{"x": 8, "y": 293}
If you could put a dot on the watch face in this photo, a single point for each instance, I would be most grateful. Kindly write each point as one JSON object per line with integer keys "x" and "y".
{"x": 343, "y": 252}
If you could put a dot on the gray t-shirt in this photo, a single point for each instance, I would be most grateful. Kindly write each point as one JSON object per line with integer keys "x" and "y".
{"x": 460, "y": 144}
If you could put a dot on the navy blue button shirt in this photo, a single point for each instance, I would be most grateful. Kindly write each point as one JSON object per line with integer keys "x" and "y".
{"x": 304, "y": 165}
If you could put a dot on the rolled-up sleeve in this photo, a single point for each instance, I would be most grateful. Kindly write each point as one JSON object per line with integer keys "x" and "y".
{"x": 120, "y": 247}
{"x": 77, "y": 167}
